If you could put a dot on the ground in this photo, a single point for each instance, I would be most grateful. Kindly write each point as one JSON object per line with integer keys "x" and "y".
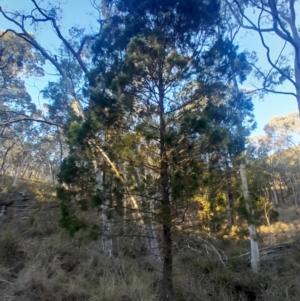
{"x": 39, "y": 261}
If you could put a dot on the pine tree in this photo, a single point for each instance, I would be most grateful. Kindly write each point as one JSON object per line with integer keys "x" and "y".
{"x": 157, "y": 94}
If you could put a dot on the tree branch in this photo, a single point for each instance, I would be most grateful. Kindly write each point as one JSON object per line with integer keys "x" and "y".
{"x": 31, "y": 119}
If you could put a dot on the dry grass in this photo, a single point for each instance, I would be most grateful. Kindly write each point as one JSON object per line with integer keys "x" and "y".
{"x": 287, "y": 228}
{"x": 40, "y": 191}
{"x": 54, "y": 267}
{"x": 39, "y": 262}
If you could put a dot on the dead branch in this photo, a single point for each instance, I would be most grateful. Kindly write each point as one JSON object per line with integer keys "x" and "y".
{"x": 32, "y": 120}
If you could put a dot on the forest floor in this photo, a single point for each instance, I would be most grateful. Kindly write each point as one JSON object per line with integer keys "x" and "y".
{"x": 40, "y": 262}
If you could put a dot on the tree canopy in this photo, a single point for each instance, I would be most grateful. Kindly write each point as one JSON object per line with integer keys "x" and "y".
{"x": 146, "y": 128}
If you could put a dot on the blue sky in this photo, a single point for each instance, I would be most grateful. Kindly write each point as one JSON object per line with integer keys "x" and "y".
{"x": 77, "y": 12}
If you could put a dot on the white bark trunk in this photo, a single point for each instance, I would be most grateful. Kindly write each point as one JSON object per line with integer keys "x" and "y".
{"x": 294, "y": 194}
{"x": 252, "y": 229}
{"x": 153, "y": 240}
{"x": 136, "y": 213}
{"x": 106, "y": 225}
{"x": 150, "y": 232}
{"x": 114, "y": 169}
{"x": 20, "y": 169}
{"x": 275, "y": 198}
{"x": 51, "y": 174}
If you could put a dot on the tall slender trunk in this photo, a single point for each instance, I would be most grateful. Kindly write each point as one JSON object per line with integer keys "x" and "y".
{"x": 150, "y": 233}
{"x": 116, "y": 172}
{"x": 4, "y": 157}
{"x": 106, "y": 225}
{"x": 19, "y": 170}
{"x": 252, "y": 228}
{"x": 25, "y": 170}
{"x": 35, "y": 171}
{"x": 294, "y": 194}
{"x": 274, "y": 192}
{"x": 60, "y": 146}
{"x": 37, "y": 174}
{"x": 135, "y": 206}
{"x": 297, "y": 76}
{"x": 166, "y": 204}
{"x": 281, "y": 190}
{"x": 228, "y": 205}
{"x": 167, "y": 234}
{"x": 51, "y": 177}
{"x": 266, "y": 192}
{"x": 125, "y": 207}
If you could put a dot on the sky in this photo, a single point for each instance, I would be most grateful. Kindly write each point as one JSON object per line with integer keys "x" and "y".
{"x": 78, "y": 12}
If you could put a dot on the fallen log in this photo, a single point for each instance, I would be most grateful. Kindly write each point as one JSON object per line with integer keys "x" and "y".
{"x": 272, "y": 252}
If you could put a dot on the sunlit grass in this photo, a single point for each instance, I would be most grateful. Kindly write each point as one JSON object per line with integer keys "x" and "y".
{"x": 39, "y": 261}
{"x": 39, "y": 191}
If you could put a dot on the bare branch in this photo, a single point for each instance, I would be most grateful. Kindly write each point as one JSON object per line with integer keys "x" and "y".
{"x": 30, "y": 119}
{"x": 62, "y": 38}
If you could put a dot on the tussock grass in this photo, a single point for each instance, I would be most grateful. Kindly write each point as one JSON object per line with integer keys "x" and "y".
{"x": 40, "y": 191}
{"x": 39, "y": 261}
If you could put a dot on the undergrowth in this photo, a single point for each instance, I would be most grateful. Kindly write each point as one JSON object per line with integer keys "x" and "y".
{"x": 39, "y": 261}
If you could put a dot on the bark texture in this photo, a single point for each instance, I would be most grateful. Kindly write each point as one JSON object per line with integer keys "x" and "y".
{"x": 252, "y": 229}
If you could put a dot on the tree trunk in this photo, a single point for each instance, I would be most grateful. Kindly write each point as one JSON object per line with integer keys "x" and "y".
{"x": 61, "y": 155}
{"x": 150, "y": 233}
{"x": 20, "y": 169}
{"x": 166, "y": 204}
{"x": 252, "y": 228}
{"x": 25, "y": 170}
{"x": 167, "y": 234}
{"x": 294, "y": 194}
{"x": 51, "y": 177}
{"x": 281, "y": 190}
{"x": 273, "y": 189}
{"x": 37, "y": 172}
{"x": 228, "y": 207}
{"x": 4, "y": 157}
{"x": 106, "y": 226}
{"x": 297, "y": 75}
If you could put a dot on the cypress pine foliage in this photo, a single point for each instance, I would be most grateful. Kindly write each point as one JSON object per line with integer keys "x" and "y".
{"x": 159, "y": 107}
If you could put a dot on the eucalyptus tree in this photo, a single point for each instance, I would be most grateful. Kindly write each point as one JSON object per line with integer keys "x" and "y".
{"x": 280, "y": 19}
{"x": 19, "y": 60}
{"x": 277, "y": 152}
{"x": 74, "y": 52}
{"x": 22, "y": 55}
{"x": 282, "y": 132}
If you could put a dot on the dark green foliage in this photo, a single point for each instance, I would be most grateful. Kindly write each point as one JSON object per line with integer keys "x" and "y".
{"x": 68, "y": 219}
{"x": 226, "y": 59}
{"x": 97, "y": 199}
{"x": 68, "y": 171}
{"x": 94, "y": 232}
{"x": 177, "y": 20}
